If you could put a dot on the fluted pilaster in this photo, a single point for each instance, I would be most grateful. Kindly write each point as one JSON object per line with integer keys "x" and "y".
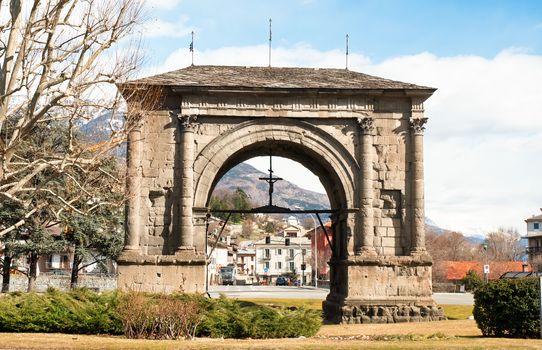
{"x": 187, "y": 123}
{"x": 364, "y": 242}
{"x": 417, "y": 128}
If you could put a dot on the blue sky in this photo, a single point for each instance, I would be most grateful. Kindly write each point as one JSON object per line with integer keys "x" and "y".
{"x": 379, "y": 29}
{"x": 483, "y": 144}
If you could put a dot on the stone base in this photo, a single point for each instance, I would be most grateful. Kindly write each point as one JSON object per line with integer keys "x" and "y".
{"x": 381, "y": 289}
{"x": 183, "y": 272}
{"x": 351, "y": 313}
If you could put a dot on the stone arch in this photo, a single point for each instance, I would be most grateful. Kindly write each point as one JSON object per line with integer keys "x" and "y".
{"x": 297, "y": 140}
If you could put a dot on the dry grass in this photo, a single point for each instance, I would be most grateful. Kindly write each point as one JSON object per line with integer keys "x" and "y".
{"x": 63, "y": 341}
{"x": 463, "y": 328}
{"x": 314, "y": 304}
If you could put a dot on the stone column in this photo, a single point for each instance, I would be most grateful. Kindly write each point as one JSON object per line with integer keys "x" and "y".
{"x": 133, "y": 188}
{"x": 365, "y": 243}
{"x": 417, "y": 212}
{"x": 187, "y": 183}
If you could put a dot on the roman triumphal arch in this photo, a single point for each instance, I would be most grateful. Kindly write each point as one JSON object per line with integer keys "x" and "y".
{"x": 361, "y": 135}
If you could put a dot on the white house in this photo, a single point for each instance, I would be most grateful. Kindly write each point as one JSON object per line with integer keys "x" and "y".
{"x": 534, "y": 236}
{"x": 278, "y": 255}
{"x": 218, "y": 257}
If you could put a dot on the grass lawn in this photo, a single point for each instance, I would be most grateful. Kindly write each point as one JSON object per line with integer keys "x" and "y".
{"x": 456, "y": 333}
{"x": 453, "y": 312}
{"x": 431, "y": 335}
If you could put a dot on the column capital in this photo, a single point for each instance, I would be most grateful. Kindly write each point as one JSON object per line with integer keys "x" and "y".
{"x": 417, "y": 125}
{"x": 366, "y": 124}
{"x": 187, "y": 121}
{"x": 134, "y": 121}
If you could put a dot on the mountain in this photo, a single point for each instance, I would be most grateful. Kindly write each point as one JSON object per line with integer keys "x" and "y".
{"x": 99, "y": 129}
{"x": 285, "y": 194}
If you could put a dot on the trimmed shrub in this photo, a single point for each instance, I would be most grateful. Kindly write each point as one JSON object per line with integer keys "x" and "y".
{"x": 508, "y": 308}
{"x": 229, "y": 318}
{"x": 78, "y": 312}
{"x": 154, "y": 316}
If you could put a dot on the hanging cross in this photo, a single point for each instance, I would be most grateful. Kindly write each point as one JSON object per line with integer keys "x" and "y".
{"x": 270, "y": 180}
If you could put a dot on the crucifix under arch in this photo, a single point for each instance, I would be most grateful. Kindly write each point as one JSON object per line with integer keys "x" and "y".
{"x": 271, "y": 180}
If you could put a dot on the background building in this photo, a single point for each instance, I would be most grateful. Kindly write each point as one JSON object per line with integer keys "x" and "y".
{"x": 321, "y": 248}
{"x": 218, "y": 257}
{"x": 534, "y": 237}
{"x": 282, "y": 256}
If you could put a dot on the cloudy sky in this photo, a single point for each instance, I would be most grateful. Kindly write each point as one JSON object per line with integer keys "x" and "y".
{"x": 483, "y": 144}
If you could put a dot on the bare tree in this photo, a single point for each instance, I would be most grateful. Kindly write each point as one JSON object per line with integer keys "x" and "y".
{"x": 504, "y": 245}
{"x": 59, "y": 61}
{"x": 448, "y": 246}
{"x": 536, "y": 263}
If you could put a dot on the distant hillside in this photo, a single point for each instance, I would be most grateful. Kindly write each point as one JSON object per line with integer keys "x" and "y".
{"x": 286, "y": 194}
{"x": 99, "y": 129}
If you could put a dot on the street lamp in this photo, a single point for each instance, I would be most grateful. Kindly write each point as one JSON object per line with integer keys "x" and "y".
{"x": 486, "y": 265}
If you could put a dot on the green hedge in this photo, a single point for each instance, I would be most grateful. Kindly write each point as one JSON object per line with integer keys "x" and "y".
{"x": 80, "y": 312}
{"x": 508, "y": 308}
{"x": 229, "y": 318}
{"x": 156, "y": 316}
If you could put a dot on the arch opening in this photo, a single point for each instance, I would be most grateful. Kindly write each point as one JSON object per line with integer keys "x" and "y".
{"x": 304, "y": 260}
{"x": 296, "y": 140}
{"x": 307, "y": 158}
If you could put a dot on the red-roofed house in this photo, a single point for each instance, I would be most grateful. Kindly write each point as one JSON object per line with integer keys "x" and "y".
{"x": 456, "y": 270}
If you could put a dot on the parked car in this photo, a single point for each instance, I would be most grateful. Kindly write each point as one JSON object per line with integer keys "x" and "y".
{"x": 281, "y": 281}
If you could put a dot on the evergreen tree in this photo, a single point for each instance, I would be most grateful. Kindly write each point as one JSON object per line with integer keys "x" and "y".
{"x": 96, "y": 239}
{"x": 35, "y": 240}
{"x": 238, "y": 200}
{"x": 10, "y": 213}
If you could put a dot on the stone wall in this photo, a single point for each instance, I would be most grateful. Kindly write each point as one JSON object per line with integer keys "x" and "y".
{"x": 61, "y": 282}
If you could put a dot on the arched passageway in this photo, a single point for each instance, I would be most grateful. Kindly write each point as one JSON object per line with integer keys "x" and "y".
{"x": 363, "y": 137}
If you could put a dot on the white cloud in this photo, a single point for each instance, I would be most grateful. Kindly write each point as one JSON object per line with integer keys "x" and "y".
{"x": 161, "y": 4}
{"x": 154, "y": 28}
{"x": 483, "y": 143}
{"x": 297, "y": 55}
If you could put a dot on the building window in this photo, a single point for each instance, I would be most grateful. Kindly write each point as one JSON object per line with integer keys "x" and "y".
{"x": 303, "y": 251}
{"x": 278, "y": 265}
{"x": 292, "y": 266}
{"x": 266, "y": 253}
{"x": 279, "y": 251}
{"x": 266, "y": 265}
{"x": 291, "y": 253}
{"x": 536, "y": 226}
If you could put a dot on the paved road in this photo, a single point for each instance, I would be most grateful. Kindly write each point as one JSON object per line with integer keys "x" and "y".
{"x": 313, "y": 293}
{"x": 454, "y": 298}
{"x": 280, "y": 292}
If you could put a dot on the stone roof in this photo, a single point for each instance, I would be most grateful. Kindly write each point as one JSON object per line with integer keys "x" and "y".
{"x": 273, "y": 78}
{"x": 534, "y": 218}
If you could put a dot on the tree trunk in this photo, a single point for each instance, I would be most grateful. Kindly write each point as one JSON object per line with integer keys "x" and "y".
{"x": 32, "y": 271}
{"x": 6, "y": 269}
{"x": 75, "y": 269}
